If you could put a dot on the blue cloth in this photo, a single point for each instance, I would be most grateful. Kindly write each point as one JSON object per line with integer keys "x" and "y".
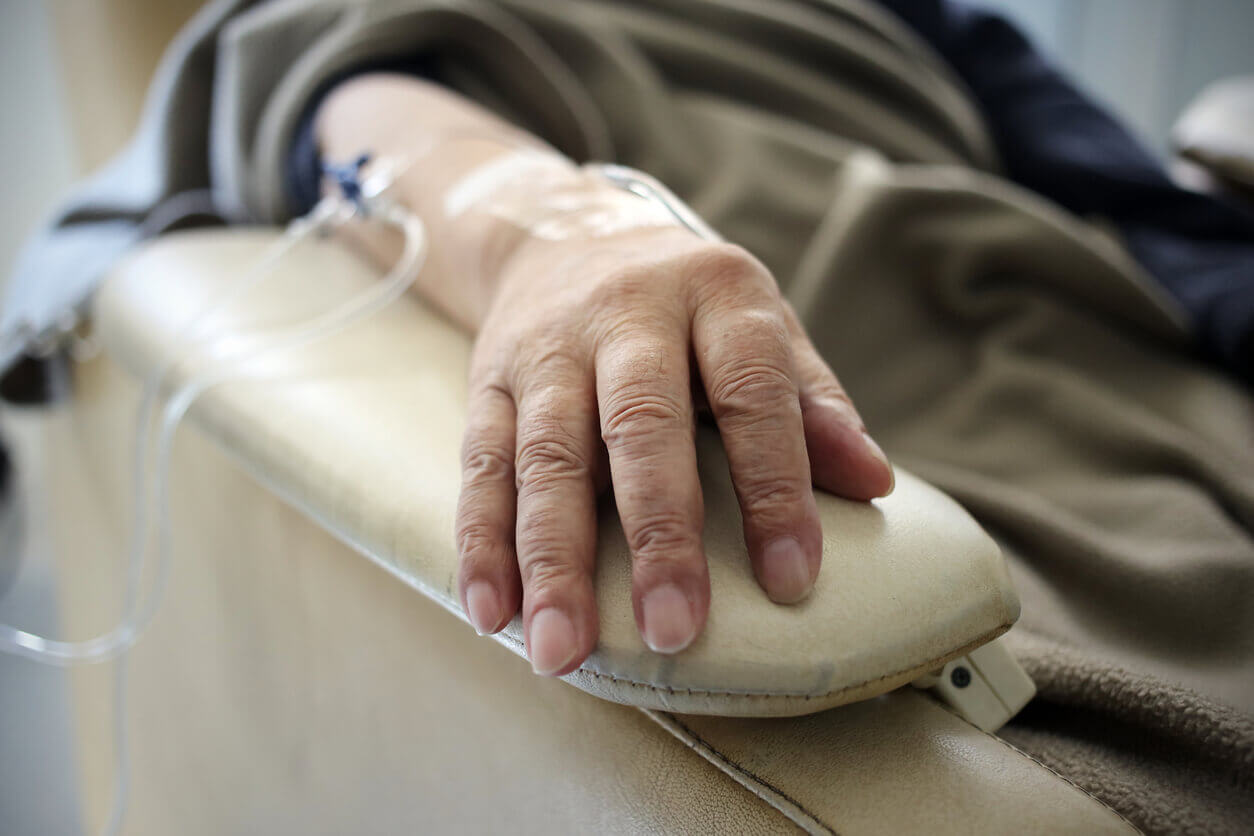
{"x": 1054, "y": 140}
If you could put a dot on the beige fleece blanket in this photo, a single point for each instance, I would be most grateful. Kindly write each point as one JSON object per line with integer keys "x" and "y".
{"x": 1010, "y": 353}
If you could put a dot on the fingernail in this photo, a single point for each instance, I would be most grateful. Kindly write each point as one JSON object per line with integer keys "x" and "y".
{"x": 668, "y": 623}
{"x": 552, "y": 645}
{"x": 785, "y": 571}
{"x": 483, "y": 607}
{"x": 878, "y": 452}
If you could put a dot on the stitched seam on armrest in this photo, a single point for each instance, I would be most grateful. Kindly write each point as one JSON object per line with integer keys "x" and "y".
{"x": 708, "y": 751}
{"x": 1048, "y": 769}
{"x": 412, "y": 580}
{"x": 518, "y": 647}
{"x": 781, "y": 695}
{"x": 703, "y": 692}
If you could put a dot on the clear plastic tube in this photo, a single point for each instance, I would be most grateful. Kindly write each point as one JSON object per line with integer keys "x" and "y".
{"x": 369, "y": 200}
{"x": 239, "y": 363}
{"x": 235, "y": 360}
{"x": 331, "y": 211}
{"x": 107, "y": 645}
{"x": 360, "y": 307}
{"x": 651, "y": 189}
{"x": 231, "y": 364}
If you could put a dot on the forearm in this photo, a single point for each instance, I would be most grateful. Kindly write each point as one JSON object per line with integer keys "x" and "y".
{"x": 439, "y": 138}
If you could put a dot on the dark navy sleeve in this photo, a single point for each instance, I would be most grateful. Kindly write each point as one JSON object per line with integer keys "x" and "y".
{"x": 1057, "y": 142}
{"x": 303, "y": 174}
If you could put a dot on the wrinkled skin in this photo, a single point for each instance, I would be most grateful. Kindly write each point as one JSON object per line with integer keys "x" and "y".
{"x": 593, "y": 357}
{"x": 590, "y": 367}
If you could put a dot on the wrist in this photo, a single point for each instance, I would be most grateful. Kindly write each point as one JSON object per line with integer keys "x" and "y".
{"x": 549, "y": 221}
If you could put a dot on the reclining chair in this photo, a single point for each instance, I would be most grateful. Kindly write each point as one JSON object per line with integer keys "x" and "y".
{"x": 309, "y": 669}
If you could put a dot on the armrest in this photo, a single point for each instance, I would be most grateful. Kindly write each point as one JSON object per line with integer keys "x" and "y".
{"x": 1216, "y": 134}
{"x": 361, "y": 432}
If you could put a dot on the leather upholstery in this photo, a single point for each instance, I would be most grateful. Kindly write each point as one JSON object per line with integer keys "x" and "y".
{"x": 899, "y": 763}
{"x": 362, "y": 431}
{"x": 289, "y": 686}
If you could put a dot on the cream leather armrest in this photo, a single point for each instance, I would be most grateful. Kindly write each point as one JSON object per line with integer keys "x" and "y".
{"x": 361, "y": 432}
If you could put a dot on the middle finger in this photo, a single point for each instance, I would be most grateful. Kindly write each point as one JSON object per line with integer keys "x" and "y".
{"x": 556, "y": 527}
{"x": 647, "y": 426}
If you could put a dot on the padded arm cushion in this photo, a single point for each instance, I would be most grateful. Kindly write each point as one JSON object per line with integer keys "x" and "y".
{"x": 362, "y": 432}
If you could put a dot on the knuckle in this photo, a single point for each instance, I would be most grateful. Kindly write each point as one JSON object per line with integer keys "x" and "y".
{"x": 770, "y": 495}
{"x": 625, "y": 289}
{"x": 723, "y": 273}
{"x": 547, "y": 456}
{"x": 544, "y": 351}
{"x": 764, "y": 324}
{"x": 630, "y": 332}
{"x": 749, "y": 330}
{"x": 725, "y": 262}
{"x": 750, "y": 389}
{"x": 547, "y": 569}
{"x": 484, "y": 461}
{"x": 661, "y": 536}
{"x": 633, "y": 413}
{"x": 477, "y": 538}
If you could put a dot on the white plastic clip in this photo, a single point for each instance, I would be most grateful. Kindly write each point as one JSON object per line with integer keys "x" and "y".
{"x": 986, "y": 687}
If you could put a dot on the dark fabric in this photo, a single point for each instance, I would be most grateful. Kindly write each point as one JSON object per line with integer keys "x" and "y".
{"x": 1054, "y": 140}
{"x": 303, "y": 178}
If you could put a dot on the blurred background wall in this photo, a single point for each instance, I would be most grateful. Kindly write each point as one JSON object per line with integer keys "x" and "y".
{"x": 72, "y": 79}
{"x": 36, "y": 128}
{"x": 72, "y": 74}
{"x": 1145, "y": 59}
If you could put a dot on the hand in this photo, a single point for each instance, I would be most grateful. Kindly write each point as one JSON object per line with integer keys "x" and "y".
{"x": 585, "y": 369}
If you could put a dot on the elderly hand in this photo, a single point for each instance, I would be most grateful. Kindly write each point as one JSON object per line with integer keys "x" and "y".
{"x": 589, "y": 368}
{"x": 592, "y": 356}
